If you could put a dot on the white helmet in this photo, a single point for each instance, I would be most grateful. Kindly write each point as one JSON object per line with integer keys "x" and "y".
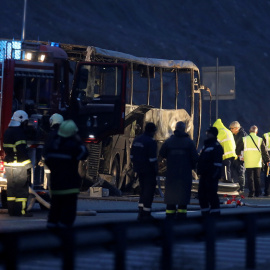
{"x": 17, "y": 118}
{"x": 56, "y": 119}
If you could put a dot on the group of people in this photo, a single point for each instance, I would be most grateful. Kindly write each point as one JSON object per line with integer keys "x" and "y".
{"x": 62, "y": 153}
{"x": 226, "y": 155}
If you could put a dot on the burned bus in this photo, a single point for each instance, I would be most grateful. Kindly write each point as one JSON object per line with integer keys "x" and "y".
{"x": 115, "y": 94}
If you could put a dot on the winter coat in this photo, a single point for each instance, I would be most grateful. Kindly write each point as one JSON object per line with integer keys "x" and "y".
{"x": 144, "y": 154}
{"x": 210, "y": 160}
{"x": 239, "y": 141}
{"x": 181, "y": 155}
{"x": 62, "y": 156}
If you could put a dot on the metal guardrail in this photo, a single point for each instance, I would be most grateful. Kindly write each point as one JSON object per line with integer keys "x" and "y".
{"x": 119, "y": 236}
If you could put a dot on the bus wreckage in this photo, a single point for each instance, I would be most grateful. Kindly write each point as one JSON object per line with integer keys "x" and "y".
{"x": 114, "y": 94}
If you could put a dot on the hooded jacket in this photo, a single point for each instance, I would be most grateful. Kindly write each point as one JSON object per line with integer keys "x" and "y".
{"x": 226, "y": 139}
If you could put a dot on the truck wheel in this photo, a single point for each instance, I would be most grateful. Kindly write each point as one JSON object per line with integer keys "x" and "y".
{"x": 4, "y": 198}
{"x": 115, "y": 172}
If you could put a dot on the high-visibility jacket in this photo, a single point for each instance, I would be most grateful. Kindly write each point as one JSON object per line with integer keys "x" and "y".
{"x": 267, "y": 140}
{"x": 226, "y": 139}
{"x": 252, "y": 156}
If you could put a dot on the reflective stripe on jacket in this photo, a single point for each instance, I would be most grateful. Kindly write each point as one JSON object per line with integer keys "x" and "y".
{"x": 252, "y": 156}
{"x": 226, "y": 139}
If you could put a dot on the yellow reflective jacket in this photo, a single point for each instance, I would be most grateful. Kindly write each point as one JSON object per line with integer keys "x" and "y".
{"x": 226, "y": 139}
{"x": 252, "y": 156}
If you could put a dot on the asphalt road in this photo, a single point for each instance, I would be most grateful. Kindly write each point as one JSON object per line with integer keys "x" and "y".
{"x": 189, "y": 256}
{"x": 119, "y": 209}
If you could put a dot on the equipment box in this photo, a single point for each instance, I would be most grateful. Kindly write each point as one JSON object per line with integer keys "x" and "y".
{"x": 98, "y": 192}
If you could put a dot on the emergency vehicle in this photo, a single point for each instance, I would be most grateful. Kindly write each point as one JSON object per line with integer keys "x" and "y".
{"x": 34, "y": 78}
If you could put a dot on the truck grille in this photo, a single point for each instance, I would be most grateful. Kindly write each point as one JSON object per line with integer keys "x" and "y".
{"x": 93, "y": 159}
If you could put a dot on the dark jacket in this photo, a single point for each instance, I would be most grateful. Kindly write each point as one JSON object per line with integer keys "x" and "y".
{"x": 181, "y": 155}
{"x": 144, "y": 154}
{"x": 239, "y": 141}
{"x": 62, "y": 156}
{"x": 210, "y": 160}
{"x": 15, "y": 139}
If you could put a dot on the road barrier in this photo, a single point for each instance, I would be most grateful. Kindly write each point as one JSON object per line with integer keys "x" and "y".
{"x": 19, "y": 245}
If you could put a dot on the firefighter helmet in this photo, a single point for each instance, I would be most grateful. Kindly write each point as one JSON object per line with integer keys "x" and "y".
{"x": 67, "y": 129}
{"x": 56, "y": 119}
{"x": 18, "y": 117}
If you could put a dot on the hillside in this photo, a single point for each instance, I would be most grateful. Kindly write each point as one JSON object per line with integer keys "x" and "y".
{"x": 235, "y": 31}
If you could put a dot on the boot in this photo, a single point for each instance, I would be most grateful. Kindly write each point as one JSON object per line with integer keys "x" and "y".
{"x": 181, "y": 216}
{"x": 170, "y": 216}
{"x": 145, "y": 216}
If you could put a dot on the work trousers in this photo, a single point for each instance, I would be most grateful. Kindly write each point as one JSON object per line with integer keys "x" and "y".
{"x": 63, "y": 210}
{"x": 173, "y": 211}
{"x": 254, "y": 181}
{"x": 18, "y": 180}
{"x": 227, "y": 169}
{"x": 207, "y": 193}
{"x": 238, "y": 173}
{"x": 147, "y": 190}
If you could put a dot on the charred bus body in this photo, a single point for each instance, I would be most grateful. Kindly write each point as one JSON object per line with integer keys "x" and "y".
{"x": 130, "y": 91}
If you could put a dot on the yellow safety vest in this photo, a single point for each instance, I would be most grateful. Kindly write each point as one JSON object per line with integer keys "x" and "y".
{"x": 252, "y": 156}
{"x": 267, "y": 144}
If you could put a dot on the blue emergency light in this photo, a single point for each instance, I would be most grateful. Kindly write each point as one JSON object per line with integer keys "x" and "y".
{"x": 55, "y": 44}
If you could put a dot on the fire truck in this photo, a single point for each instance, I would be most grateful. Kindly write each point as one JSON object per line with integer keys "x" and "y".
{"x": 34, "y": 78}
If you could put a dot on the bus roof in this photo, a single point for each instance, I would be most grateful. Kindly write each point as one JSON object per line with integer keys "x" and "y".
{"x": 93, "y": 52}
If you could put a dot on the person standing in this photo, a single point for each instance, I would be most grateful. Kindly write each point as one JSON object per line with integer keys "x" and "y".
{"x": 225, "y": 138}
{"x": 55, "y": 121}
{"x": 17, "y": 165}
{"x": 266, "y": 141}
{"x": 238, "y": 168}
{"x": 182, "y": 157}
{"x": 254, "y": 154}
{"x": 210, "y": 170}
{"x": 144, "y": 157}
{"x": 62, "y": 156}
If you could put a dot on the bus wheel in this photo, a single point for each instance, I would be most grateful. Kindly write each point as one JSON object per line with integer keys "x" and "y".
{"x": 4, "y": 198}
{"x": 115, "y": 172}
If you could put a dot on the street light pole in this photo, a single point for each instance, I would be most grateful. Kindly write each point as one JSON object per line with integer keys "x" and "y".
{"x": 24, "y": 20}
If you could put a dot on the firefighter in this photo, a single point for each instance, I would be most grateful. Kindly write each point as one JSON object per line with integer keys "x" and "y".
{"x": 55, "y": 121}
{"x": 17, "y": 165}
{"x": 144, "y": 158}
{"x": 62, "y": 156}
{"x": 254, "y": 154}
{"x": 266, "y": 141}
{"x": 182, "y": 157}
{"x": 238, "y": 165}
{"x": 209, "y": 169}
{"x": 225, "y": 138}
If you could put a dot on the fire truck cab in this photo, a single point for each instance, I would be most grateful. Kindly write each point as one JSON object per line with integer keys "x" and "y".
{"x": 34, "y": 78}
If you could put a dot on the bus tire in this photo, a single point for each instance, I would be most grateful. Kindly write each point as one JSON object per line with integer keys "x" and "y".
{"x": 4, "y": 198}
{"x": 115, "y": 172}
